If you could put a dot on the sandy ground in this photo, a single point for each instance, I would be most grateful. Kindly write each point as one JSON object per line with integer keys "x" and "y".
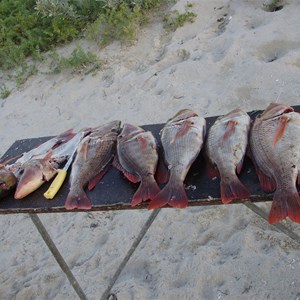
{"x": 234, "y": 54}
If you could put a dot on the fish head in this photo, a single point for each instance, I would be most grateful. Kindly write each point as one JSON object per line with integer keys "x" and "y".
{"x": 30, "y": 179}
{"x": 8, "y": 181}
{"x": 274, "y": 110}
{"x": 129, "y": 131}
{"x": 182, "y": 115}
{"x": 34, "y": 174}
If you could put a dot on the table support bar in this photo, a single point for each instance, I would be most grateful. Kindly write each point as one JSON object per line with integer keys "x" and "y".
{"x": 60, "y": 260}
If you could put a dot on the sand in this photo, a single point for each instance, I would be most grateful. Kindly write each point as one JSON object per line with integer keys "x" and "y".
{"x": 234, "y": 54}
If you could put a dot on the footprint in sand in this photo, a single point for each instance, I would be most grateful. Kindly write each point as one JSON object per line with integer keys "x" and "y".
{"x": 275, "y": 49}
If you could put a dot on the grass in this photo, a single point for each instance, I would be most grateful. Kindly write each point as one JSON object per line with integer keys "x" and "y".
{"x": 79, "y": 61}
{"x": 273, "y": 5}
{"x": 175, "y": 19}
{"x": 30, "y": 27}
{"x": 4, "y": 92}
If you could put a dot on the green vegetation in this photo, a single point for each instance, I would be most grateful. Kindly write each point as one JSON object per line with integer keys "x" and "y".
{"x": 273, "y": 5}
{"x": 4, "y": 92}
{"x": 30, "y": 27}
{"x": 174, "y": 19}
{"x": 24, "y": 72}
{"x": 79, "y": 61}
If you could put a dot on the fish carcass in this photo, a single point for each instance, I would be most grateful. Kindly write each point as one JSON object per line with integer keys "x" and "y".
{"x": 93, "y": 156}
{"x": 42, "y": 168}
{"x": 182, "y": 139}
{"x": 137, "y": 158}
{"x": 225, "y": 147}
{"x": 275, "y": 148}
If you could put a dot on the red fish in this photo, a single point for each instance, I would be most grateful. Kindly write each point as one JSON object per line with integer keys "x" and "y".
{"x": 226, "y": 145}
{"x": 182, "y": 139}
{"x": 137, "y": 159}
{"x": 94, "y": 154}
{"x": 275, "y": 147}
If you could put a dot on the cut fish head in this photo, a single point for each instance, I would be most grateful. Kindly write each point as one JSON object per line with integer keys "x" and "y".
{"x": 30, "y": 180}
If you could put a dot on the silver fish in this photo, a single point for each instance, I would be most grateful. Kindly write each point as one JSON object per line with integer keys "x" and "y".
{"x": 275, "y": 147}
{"x": 137, "y": 159}
{"x": 94, "y": 154}
{"x": 182, "y": 139}
{"x": 225, "y": 147}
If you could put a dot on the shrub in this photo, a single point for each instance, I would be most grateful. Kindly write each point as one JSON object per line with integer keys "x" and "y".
{"x": 79, "y": 61}
{"x": 174, "y": 19}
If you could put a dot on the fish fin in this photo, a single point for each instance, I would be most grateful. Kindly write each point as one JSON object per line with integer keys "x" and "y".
{"x": 280, "y": 129}
{"x": 148, "y": 189}
{"x": 240, "y": 166}
{"x": 79, "y": 200}
{"x": 95, "y": 180}
{"x": 233, "y": 190}
{"x": 182, "y": 130}
{"x": 131, "y": 177}
{"x": 162, "y": 173}
{"x": 211, "y": 169}
{"x": 84, "y": 149}
{"x": 230, "y": 129}
{"x": 285, "y": 204}
{"x": 172, "y": 194}
{"x": 267, "y": 183}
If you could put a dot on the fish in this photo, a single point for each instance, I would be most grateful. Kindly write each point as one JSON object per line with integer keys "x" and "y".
{"x": 93, "y": 157}
{"x": 225, "y": 149}
{"x": 8, "y": 181}
{"x": 137, "y": 158}
{"x": 182, "y": 139}
{"x": 42, "y": 168}
{"x": 275, "y": 151}
{"x": 11, "y": 173}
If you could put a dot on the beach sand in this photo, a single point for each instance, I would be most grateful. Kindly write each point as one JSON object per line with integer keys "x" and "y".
{"x": 235, "y": 54}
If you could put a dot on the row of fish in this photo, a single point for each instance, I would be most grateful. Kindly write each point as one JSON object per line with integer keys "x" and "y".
{"x": 272, "y": 142}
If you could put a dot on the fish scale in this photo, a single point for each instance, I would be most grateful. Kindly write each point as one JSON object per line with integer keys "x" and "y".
{"x": 140, "y": 162}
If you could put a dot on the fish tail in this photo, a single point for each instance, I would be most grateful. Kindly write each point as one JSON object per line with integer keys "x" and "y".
{"x": 172, "y": 194}
{"x": 78, "y": 199}
{"x": 285, "y": 204}
{"x": 148, "y": 189}
{"x": 233, "y": 189}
